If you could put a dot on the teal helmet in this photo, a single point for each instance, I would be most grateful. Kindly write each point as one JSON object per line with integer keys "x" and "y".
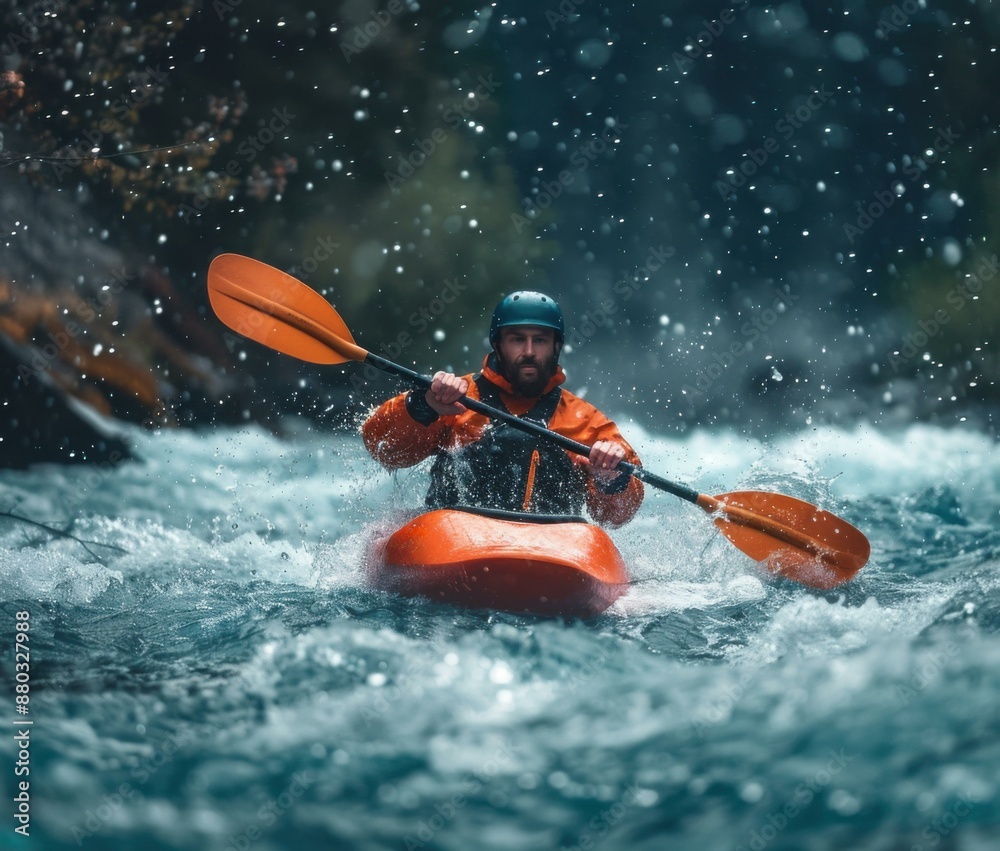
{"x": 526, "y": 308}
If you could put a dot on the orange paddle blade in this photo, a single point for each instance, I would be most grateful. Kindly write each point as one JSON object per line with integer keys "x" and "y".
{"x": 791, "y": 537}
{"x": 266, "y": 305}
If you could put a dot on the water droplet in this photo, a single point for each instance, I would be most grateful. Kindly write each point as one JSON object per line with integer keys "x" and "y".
{"x": 593, "y": 53}
{"x": 951, "y": 252}
{"x": 501, "y": 673}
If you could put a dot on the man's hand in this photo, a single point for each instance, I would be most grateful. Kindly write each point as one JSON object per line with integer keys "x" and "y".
{"x": 604, "y": 459}
{"x": 445, "y": 391}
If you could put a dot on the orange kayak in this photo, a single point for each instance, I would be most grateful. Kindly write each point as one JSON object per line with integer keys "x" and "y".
{"x": 501, "y": 560}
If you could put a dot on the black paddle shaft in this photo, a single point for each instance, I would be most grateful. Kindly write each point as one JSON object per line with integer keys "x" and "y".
{"x": 533, "y": 428}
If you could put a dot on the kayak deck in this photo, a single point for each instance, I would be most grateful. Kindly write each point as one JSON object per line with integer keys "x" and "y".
{"x": 503, "y": 561}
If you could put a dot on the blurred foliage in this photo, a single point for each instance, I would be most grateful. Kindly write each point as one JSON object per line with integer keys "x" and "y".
{"x": 329, "y": 142}
{"x": 950, "y": 310}
{"x": 324, "y": 139}
{"x": 427, "y": 258}
{"x": 93, "y": 77}
{"x": 414, "y": 199}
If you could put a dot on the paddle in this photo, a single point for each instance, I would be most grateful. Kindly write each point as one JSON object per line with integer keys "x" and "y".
{"x": 793, "y": 538}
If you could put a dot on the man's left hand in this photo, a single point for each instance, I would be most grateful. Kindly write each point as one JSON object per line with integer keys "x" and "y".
{"x": 605, "y": 456}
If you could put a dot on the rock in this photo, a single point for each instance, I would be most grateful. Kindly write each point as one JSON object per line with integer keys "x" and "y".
{"x": 92, "y": 335}
{"x": 45, "y": 424}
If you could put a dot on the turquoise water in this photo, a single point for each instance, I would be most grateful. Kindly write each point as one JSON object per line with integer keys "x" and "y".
{"x": 213, "y": 673}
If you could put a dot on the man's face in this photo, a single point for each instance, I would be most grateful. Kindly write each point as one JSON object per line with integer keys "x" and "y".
{"x": 528, "y": 357}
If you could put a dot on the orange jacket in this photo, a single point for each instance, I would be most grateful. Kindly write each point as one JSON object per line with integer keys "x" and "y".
{"x": 397, "y": 440}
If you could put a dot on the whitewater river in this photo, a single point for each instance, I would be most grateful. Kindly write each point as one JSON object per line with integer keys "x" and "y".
{"x": 212, "y": 673}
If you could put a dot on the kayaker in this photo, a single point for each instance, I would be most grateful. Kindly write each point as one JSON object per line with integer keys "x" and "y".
{"x": 493, "y": 465}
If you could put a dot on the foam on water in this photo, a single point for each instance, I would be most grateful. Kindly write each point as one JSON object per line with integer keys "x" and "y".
{"x": 214, "y": 644}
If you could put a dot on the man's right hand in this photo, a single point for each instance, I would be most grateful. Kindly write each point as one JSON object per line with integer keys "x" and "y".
{"x": 445, "y": 391}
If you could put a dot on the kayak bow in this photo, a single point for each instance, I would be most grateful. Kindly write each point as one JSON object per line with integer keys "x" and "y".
{"x": 501, "y": 560}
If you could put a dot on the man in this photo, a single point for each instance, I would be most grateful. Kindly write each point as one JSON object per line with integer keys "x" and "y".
{"x": 493, "y": 465}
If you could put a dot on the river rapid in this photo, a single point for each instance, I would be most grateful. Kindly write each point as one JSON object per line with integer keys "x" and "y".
{"x": 211, "y": 672}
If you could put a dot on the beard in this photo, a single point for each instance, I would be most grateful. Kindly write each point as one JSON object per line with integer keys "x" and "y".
{"x": 533, "y": 383}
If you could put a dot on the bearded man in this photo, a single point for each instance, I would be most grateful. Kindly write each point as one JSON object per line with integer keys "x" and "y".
{"x": 483, "y": 465}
